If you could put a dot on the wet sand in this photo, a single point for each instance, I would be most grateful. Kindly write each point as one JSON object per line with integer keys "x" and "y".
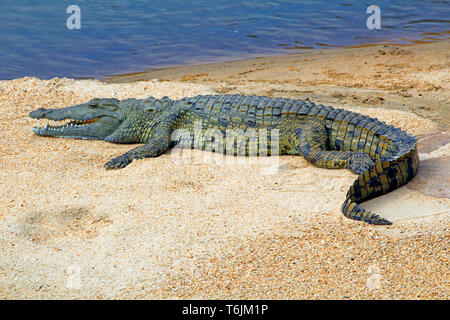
{"x": 200, "y": 227}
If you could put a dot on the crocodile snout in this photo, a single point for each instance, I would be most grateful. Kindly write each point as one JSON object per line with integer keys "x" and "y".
{"x": 38, "y": 114}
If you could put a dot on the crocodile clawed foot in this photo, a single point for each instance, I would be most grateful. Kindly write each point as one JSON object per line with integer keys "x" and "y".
{"x": 118, "y": 163}
{"x": 360, "y": 162}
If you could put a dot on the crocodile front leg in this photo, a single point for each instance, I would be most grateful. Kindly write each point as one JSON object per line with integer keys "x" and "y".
{"x": 312, "y": 140}
{"x": 158, "y": 138}
{"x": 154, "y": 148}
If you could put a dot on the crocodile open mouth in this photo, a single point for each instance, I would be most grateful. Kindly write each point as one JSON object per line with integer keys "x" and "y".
{"x": 54, "y": 127}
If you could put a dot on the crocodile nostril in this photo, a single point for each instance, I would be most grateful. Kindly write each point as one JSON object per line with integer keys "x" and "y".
{"x": 38, "y": 113}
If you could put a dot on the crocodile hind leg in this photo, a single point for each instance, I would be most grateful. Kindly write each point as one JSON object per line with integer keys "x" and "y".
{"x": 312, "y": 140}
{"x": 312, "y": 143}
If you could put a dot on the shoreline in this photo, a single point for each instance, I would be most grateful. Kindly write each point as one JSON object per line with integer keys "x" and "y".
{"x": 193, "y": 228}
{"x": 129, "y": 76}
{"x": 389, "y": 83}
{"x": 425, "y": 38}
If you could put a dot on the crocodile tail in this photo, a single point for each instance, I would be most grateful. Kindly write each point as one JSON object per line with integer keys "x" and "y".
{"x": 352, "y": 211}
{"x": 393, "y": 151}
{"x": 384, "y": 177}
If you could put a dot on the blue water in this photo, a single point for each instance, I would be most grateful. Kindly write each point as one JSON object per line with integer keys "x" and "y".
{"x": 127, "y": 36}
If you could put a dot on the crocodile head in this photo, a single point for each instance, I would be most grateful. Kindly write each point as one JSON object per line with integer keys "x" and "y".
{"x": 96, "y": 119}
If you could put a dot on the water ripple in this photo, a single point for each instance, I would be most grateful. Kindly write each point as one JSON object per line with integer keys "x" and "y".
{"x": 132, "y": 36}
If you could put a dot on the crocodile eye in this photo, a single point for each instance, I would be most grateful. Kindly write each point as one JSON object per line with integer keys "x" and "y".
{"x": 93, "y": 103}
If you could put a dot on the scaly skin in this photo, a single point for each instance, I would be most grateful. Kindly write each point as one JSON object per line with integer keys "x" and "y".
{"x": 384, "y": 157}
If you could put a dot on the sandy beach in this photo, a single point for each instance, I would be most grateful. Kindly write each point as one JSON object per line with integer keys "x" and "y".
{"x": 194, "y": 226}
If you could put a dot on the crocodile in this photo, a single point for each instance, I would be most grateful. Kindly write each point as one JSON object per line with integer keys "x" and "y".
{"x": 384, "y": 157}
